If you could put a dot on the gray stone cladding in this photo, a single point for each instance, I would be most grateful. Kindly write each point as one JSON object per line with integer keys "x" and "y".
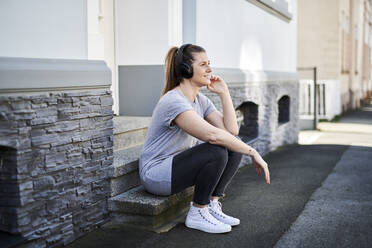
{"x": 266, "y": 95}
{"x": 56, "y": 161}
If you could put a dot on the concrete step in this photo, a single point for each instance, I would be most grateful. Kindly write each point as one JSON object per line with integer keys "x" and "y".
{"x": 140, "y": 208}
{"x": 129, "y": 131}
{"x": 129, "y": 139}
{"x": 125, "y": 170}
{"x": 130, "y": 204}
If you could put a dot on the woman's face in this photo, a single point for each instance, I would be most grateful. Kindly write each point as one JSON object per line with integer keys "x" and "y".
{"x": 202, "y": 69}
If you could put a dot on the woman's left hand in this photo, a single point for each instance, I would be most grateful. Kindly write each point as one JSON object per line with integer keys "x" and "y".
{"x": 259, "y": 163}
{"x": 217, "y": 85}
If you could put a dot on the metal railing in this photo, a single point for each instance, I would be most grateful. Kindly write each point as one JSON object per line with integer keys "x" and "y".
{"x": 307, "y": 98}
{"x": 314, "y": 97}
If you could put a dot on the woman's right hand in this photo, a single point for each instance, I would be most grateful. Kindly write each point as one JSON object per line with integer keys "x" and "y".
{"x": 259, "y": 163}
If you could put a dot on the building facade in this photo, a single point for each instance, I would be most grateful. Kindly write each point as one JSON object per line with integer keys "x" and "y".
{"x": 68, "y": 67}
{"x": 335, "y": 36}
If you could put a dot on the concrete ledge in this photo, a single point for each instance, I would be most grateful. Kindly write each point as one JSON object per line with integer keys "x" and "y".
{"x": 235, "y": 76}
{"x": 130, "y": 131}
{"x": 306, "y": 123}
{"x": 158, "y": 223}
{"x": 129, "y": 123}
{"x": 126, "y": 161}
{"x": 124, "y": 183}
{"x": 130, "y": 139}
{"x": 138, "y": 201}
{"x": 35, "y": 75}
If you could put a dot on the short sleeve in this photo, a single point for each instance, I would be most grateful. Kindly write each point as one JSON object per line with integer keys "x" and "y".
{"x": 207, "y": 105}
{"x": 173, "y": 108}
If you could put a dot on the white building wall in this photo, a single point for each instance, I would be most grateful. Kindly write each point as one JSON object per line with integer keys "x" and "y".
{"x": 96, "y": 42}
{"x": 143, "y": 31}
{"x": 238, "y": 34}
{"x": 43, "y": 28}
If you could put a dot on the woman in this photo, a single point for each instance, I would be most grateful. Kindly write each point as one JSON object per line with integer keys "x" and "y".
{"x": 170, "y": 161}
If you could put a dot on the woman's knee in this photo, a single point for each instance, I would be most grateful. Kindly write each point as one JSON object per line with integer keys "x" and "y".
{"x": 218, "y": 153}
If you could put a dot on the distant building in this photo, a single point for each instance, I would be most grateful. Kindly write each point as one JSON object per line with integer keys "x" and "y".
{"x": 336, "y": 37}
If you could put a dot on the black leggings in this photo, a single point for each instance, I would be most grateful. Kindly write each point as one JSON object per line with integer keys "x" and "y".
{"x": 209, "y": 167}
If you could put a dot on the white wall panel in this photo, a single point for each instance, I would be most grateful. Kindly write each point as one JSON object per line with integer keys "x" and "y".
{"x": 142, "y": 31}
{"x": 43, "y": 28}
{"x": 238, "y": 34}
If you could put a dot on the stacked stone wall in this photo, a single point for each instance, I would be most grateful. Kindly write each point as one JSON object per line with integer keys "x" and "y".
{"x": 266, "y": 95}
{"x": 56, "y": 161}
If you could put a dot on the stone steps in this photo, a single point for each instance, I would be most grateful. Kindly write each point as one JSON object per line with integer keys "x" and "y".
{"x": 138, "y": 208}
{"x": 129, "y": 136}
{"x": 125, "y": 170}
{"x": 130, "y": 204}
{"x": 129, "y": 131}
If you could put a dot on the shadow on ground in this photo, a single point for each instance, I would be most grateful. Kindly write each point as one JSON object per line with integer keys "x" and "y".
{"x": 363, "y": 116}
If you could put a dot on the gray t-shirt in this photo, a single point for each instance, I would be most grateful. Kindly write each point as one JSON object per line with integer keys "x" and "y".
{"x": 165, "y": 139}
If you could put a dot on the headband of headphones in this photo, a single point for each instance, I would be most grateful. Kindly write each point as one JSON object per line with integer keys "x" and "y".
{"x": 180, "y": 53}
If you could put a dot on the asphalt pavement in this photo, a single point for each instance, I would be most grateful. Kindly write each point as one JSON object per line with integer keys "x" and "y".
{"x": 339, "y": 213}
{"x": 320, "y": 196}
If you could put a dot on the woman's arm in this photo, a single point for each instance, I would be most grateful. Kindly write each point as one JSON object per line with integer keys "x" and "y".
{"x": 229, "y": 115}
{"x": 228, "y": 120}
{"x": 193, "y": 124}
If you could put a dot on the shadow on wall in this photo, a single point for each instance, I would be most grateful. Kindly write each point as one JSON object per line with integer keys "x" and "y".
{"x": 9, "y": 193}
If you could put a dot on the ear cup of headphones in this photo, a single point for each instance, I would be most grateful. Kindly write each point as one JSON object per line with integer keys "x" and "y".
{"x": 186, "y": 70}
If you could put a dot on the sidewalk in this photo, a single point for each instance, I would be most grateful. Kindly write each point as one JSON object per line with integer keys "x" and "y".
{"x": 339, "y": 213}
{"x": 320, "y": 196}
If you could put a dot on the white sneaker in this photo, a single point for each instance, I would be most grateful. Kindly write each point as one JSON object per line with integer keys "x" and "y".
{"x": 201, "y": 219}
{"x": 215, "y": 209}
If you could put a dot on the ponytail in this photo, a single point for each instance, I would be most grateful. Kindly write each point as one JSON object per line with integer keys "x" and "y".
{"x": 172, "y": 76}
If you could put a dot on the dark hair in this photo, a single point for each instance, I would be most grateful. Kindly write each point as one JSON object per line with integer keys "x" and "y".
{"x": 173, "y": 76}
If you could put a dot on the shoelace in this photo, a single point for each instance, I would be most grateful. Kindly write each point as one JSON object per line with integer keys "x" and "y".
{"x": 203, "y": 213}
{"x": 219, "y": 207}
